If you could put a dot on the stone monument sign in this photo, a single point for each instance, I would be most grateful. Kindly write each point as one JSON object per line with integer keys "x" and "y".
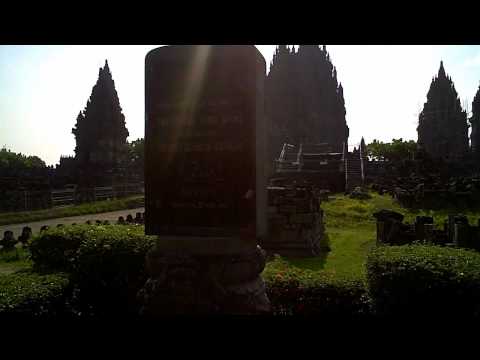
{"x": 204, "y": 143}
{"x": 205, "y": 183}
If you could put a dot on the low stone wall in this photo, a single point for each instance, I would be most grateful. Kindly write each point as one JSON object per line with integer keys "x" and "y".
{"x": 431, "y": 192}
{"x": 295, "y": 221}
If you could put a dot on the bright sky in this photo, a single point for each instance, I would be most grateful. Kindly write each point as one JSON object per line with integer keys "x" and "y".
{"x": 42, "y": 89}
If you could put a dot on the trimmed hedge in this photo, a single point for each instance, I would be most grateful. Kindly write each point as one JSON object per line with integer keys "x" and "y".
{"x": 106, "y": 263}
{"x": 418, "y": 280}
{"x": 293, "y": 291}
{"x": 33, "y": 295}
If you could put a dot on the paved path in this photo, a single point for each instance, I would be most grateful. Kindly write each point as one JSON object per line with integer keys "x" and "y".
{"x": 111, "y": 216}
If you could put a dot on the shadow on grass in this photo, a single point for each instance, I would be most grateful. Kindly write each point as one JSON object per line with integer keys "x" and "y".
{"x": 314, "y": 263}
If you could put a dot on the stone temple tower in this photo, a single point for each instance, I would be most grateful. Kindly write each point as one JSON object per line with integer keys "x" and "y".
{"x": 442, "y": 125}
{"x": 304, "y": 100}
{"x": 100, "y": 134}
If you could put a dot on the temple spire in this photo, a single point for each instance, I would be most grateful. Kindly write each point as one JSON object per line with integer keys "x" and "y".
{"x": 441, "y": 71}
{"x": 362, "y": 144}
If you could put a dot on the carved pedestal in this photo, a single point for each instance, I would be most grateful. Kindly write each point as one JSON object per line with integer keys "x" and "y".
{"x": 192, "y": 284}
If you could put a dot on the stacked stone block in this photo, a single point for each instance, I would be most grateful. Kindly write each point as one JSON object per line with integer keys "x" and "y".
{"x": 295, "y": 221}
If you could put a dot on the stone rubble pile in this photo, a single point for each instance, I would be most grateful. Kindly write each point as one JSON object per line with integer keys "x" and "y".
{"x": 456, "y": 231}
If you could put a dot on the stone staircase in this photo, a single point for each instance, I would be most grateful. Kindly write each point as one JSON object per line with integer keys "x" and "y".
{"x": 353, "y": 171}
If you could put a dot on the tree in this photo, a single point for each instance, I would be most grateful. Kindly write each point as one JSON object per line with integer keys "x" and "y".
{"x": 10, "y": 161}
{"x": 136, "y": 154}
{"x": 397, "y": 150}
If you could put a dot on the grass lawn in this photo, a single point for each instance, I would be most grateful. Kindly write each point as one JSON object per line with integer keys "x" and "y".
{"x": 83, "y": 209}
{"x": 13, "y": 261}
{"x": 351, "y": 231}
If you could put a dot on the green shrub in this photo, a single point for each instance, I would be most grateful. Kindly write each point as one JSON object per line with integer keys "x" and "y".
{"x": 418, "y": 280}
{"x": 106, "y": 263}
{"x": 56, "y": 248}
{"x": 110, "y": 267}
{"x": 293, "y": 291}
{"x": 33, "y": 295}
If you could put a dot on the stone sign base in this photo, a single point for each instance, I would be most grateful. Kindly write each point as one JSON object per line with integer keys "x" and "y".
{"x": 182, "y": 283}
